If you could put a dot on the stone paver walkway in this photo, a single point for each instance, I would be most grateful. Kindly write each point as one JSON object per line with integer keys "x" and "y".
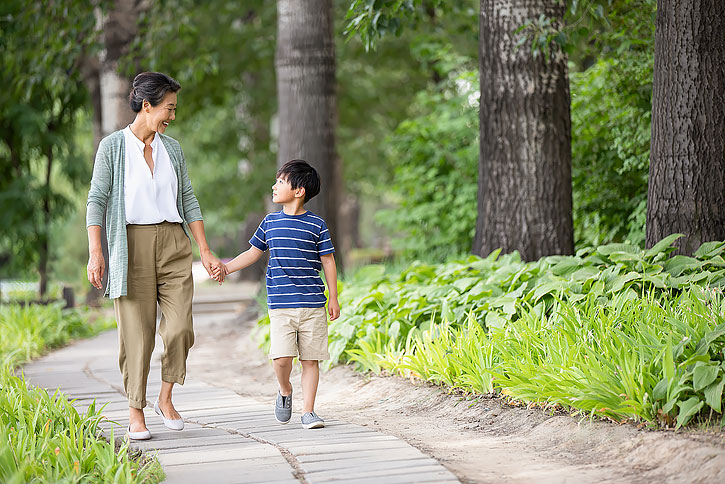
{"x": 229, "y": 438}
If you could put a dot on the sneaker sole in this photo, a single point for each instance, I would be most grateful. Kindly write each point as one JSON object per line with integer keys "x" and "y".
{"x": 281, "y": 421}
{"x": 314, "y": 425}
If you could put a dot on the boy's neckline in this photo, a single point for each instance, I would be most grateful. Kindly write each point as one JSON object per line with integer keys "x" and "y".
{"x": 292, "y": 215}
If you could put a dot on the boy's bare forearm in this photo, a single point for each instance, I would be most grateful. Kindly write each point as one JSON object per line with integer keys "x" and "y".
{"x": 245, "y": 259}
{"x": 330, "y": 268}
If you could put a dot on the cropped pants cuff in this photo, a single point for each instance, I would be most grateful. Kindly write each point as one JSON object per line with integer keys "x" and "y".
{"x": 136, "y": 403}
{"x": 173, "y": 379}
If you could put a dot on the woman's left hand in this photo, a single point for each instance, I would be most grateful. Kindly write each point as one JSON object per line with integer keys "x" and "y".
{"x": 212, "y": 265}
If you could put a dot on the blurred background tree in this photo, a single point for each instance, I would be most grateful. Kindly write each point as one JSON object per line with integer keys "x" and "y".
{"x": 42, "y": 49}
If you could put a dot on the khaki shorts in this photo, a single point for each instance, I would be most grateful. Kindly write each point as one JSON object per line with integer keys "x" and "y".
{"x": 298, "y": 332}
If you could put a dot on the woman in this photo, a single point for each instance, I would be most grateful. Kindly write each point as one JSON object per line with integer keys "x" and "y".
{"x": 141, "y": 183}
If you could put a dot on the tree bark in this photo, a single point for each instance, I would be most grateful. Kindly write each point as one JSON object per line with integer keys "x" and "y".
{"x": 524, "y": 187}
{"x": 686, "y": 192}
{"x": 305, "y": 66}
{"x": 119, "y": 29}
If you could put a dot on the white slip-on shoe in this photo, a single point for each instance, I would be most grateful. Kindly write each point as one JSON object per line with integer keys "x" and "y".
{"x": 170, "y": 424}
{"x": 143, "y": 435}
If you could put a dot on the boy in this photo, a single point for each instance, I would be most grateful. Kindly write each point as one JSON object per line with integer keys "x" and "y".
{"x": 299, "y": 246}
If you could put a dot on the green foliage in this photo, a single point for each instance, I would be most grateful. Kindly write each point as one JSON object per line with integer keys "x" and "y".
{"x": 436, "y": 167}
{"x": 611, "y": 112}
{"x": 588, "y": 332}
{"x": 42, "y": 436}
{"x": 44, "y": 45}
{"x": 44, "y": 439}
{"x": 371, "y": 20}
{"x": 28, "y": 331}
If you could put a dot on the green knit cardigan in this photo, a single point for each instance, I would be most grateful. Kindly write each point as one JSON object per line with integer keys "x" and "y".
{"x": 106, "y": 196}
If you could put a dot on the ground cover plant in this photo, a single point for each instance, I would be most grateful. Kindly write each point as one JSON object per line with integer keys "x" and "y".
{"x": 614, "y": 331}
{"x": 43, "y": 438}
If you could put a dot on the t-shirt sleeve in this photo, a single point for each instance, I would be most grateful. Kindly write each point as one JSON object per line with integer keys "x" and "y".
{"x": 259, "y": 239}
{"x": 324, "y": 245}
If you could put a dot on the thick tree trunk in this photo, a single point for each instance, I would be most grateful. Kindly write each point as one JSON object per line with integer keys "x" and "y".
{"x": 305, "y": 65}
{"x": 524, "y": 187}
{"x": 119, "y": 29}
{"x": 686, "y": 191}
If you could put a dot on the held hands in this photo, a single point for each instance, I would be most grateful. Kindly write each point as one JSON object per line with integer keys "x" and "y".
{"x": 219, "y": 273}
{"x": 214, "y": 267}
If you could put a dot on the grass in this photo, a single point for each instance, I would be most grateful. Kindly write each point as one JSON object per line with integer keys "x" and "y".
{"x": 43, "y": 438}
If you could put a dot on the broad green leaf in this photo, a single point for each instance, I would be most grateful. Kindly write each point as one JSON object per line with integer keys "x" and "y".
{"x": 681, "y": 263}
{"x": 548, "y": 287}
{"x": 567, "y": 266}
{"x": 713, "y": 395}
{"x": 612, "y": 248}
{"x": 659, "y": 392}
{"x": 688, "y": 408}
{"x": 710, "y": 249}
{"x": 619, "y": 281}
{"x": 662, "y": 245}
{"x": 703, "y": 375}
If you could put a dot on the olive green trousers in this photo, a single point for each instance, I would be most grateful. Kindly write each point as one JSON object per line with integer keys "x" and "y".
{"x": 159, "y": 271}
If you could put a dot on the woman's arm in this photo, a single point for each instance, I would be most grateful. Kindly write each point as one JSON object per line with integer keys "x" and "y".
{"x": 330, "y": 268}
{"x": 95, "y": 208}
{"x": 207, "y": 258}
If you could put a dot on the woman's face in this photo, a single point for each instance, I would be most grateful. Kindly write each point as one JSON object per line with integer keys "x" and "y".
{"x": 158, "y": 117}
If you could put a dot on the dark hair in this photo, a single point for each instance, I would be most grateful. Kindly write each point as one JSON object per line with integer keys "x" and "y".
{"x": 299, "y": 173}
{"x": 151, "y": 86}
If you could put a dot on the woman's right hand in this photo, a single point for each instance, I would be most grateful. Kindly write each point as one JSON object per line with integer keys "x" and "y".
{"x": 96, "y": 267}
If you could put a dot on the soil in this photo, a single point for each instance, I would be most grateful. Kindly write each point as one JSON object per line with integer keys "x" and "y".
{"x": 479, "y": 439}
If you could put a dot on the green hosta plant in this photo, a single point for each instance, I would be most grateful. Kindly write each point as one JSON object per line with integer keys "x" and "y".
{"x": 588, "y": 332}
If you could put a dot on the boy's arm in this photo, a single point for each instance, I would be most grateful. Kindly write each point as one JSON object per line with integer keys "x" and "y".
{"x": 245, "y": 259}
{"x": 330, "y": 268}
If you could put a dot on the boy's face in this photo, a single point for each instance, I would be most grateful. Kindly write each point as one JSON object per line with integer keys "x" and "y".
{"x": 282, "y": 191}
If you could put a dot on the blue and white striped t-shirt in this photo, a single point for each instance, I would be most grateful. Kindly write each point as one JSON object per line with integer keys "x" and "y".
{"x": 295, "y": 244}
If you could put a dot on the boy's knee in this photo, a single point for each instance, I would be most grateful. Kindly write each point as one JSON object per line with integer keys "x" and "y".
{"x": 283, "y": 361}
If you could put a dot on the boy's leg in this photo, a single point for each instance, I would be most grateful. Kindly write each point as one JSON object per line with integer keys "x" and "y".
{"x": 283, "y": 369}
{"x": 310, "y": 379}
{"x": 283, "y": 349}
{"x": 312, "y": 340}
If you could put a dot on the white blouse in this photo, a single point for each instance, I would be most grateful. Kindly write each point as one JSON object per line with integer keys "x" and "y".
{"x": 150, "y": 197}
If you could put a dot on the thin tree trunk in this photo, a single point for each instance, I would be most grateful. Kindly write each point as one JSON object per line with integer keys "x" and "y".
{"x": 524, "y": 187}
{"x": 44, "y": 232}
{"x": 305, "y": 65}
{"x": 686, "y": 192}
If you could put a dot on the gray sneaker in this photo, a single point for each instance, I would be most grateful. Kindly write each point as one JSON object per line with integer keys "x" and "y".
{"x": 283, "y": 408}
{"x": 310, "y": 420}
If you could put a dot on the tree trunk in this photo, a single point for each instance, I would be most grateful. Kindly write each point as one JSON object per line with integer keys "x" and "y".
{"x": 119, "y": 29}
{"x": 305, "y": 65}
{"x": 44, "y": 232}
{"x": 524, "y": 186}
{"x": 686, "y": 192}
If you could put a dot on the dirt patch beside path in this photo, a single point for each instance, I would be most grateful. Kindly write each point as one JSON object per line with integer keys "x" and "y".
{"x": 478, "y": 439}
